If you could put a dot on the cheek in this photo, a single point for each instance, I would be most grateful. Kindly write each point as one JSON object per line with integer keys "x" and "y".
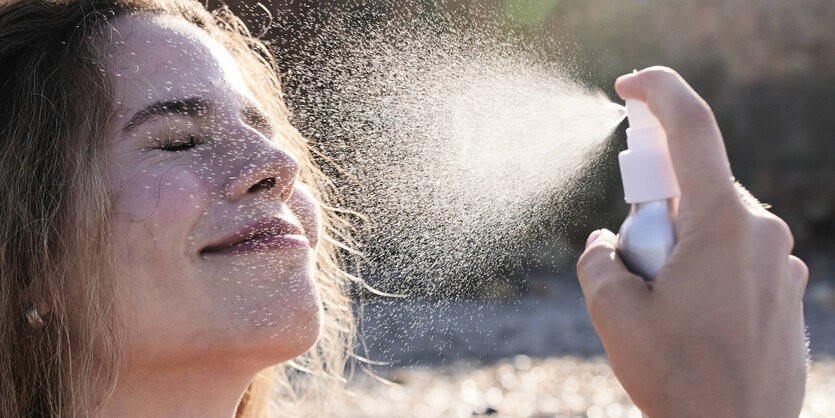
{"x": 155, "y": 212}
{"x": 174, "y": 195}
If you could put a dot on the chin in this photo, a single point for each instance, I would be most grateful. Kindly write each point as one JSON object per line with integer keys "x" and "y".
{"x": 274, "y": 310}
{"x": 312, "y": 334}
{"x": 295, "y": 334}
{"x": 309, "y": 329}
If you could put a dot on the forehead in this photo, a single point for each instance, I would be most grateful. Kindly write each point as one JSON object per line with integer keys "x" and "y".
{"x": 155, "y": 58}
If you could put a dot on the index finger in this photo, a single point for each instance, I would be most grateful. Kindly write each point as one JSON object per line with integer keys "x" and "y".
{"x": 696, "y": 146}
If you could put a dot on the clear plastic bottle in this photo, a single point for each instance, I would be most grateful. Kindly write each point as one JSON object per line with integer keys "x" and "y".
{"x": 647, "y": 236}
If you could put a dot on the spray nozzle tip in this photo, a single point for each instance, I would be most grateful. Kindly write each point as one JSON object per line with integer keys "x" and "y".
{"x": 639, "y": 114}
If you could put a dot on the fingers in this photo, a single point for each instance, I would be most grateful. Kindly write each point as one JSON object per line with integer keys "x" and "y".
{"x": 600, "y": 257}
{"x": 607, "y": 285}
{"x": 696, "y": 146}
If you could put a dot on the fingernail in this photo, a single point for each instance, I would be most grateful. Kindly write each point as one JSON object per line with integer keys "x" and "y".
{"x": 593, "y": 237}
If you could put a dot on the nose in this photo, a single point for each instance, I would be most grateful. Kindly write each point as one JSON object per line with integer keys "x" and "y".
{"x": 269, "y": 171}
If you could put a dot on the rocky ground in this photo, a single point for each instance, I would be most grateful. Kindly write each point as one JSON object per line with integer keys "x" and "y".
{"x": 534, "y": 357}
{"x": 559, "y": 386}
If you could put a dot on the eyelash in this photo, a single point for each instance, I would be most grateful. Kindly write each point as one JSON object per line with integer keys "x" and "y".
{"x": 190, "y": 142}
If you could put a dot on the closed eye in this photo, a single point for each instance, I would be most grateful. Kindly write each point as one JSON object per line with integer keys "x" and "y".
{"x": 186, "y": 143}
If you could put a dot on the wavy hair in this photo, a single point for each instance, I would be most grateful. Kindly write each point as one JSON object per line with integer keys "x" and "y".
{"x": 54, "y": 209}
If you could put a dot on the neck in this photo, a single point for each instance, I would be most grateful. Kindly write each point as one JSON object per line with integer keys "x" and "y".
{"x": 177, "y": 391}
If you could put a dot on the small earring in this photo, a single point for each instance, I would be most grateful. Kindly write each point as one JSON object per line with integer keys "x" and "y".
{"x": 34, "y": 318}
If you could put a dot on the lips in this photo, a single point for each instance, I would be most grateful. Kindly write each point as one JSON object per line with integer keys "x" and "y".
{"x": 266, "y": 234}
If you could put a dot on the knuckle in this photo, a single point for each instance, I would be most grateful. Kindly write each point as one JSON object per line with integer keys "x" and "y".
{"x": 735, "y": 221}
{"x": 774, "y": 229}
{"x": 799, "y": 269}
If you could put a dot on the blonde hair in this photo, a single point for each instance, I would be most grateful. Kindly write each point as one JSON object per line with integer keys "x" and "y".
{"x": 54, "y": 209}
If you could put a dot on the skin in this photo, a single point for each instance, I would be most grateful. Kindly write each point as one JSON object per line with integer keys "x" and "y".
{"x": 199, "y": 326}
{"x": 721, "y": 331}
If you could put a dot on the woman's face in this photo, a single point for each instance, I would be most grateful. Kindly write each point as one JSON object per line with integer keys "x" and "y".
{"x": 214, "y": 237}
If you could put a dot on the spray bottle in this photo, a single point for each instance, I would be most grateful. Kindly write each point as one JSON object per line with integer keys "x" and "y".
{"x": 647, "y": 236}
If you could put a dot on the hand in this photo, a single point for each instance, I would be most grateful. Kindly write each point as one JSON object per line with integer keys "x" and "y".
{"x": 721, "y": 331}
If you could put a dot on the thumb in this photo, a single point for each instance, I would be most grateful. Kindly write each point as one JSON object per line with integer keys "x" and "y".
{"x": 609, "y": 288}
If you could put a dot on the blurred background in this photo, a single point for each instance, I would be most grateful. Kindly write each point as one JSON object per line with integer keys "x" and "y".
{"x": 521, "y": 343}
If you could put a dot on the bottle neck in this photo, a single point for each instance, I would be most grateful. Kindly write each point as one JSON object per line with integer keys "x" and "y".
{"x": 663, "y": 204}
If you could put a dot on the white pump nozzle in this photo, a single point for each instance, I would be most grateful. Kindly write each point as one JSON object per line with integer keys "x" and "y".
{"x": 645, "y": 168}
{"x": 639, "y": 115}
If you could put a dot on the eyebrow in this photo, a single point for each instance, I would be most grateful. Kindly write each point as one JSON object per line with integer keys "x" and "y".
{"x": 193, "y": 107}
{"x": 256, "y": 118}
